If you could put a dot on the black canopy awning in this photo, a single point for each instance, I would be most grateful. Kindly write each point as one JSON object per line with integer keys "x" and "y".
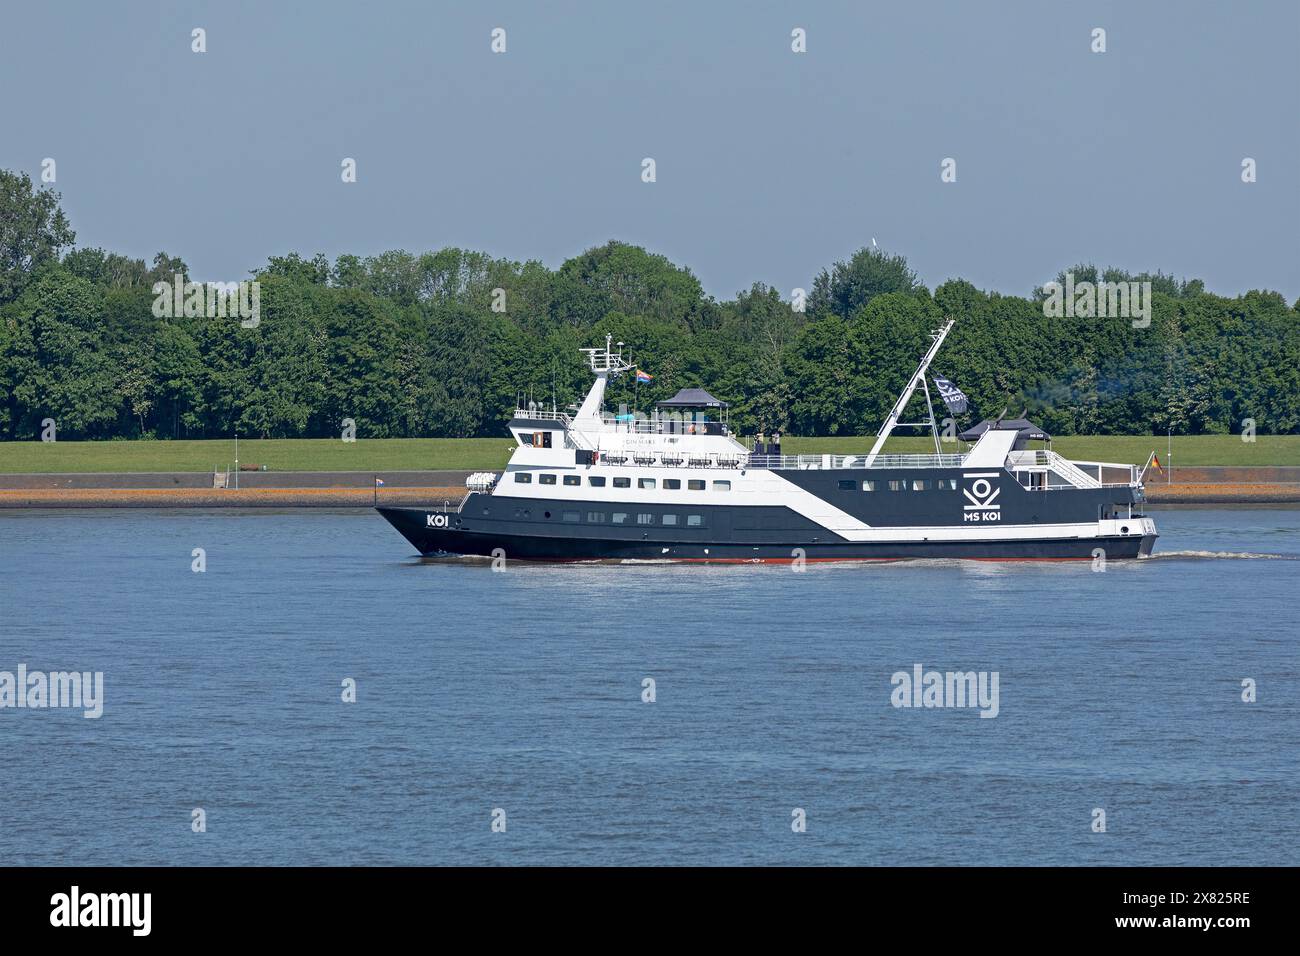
{"x": 1028, "y": 430}
{"x": 691, "y": 398}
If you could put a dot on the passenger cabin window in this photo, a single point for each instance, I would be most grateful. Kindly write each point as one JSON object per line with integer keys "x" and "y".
{"x": 546, "y": 479}
{"x": 523, "y": 477}
{"x": 645, "y": 482}
{"x": 920, "y": 484}
{"x": 722, "y": 486}
{"x": 622, "y": 482}
{"x": 596, "y": 517}
{"x": 870, "y": 485}
{"x": 670, "y": 519}
{"x": 672, "y": 484}
{"x": 895, "y": 485}
{"x": 572, "y": 480}
{"x": 695, "y": 484}
{"x": 694, "y": 521}
{"x": 620, "y": 517}
{"x": 645, "y": 519}
{"x": 572, "y": 516}
{"x": 596, "y": 481}
{"x": 948, "y": 484}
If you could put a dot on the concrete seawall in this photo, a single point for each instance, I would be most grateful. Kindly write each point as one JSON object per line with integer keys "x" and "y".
{"x": 354, "y": 489}
{"x": 257, "y": 489}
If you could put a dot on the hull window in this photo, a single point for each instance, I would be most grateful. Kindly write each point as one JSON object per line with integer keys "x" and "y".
{"x": 645, "y": 482}
{"x": 895, "y": 485}
{"x": 871, "y": 485}
{"x": 620, "y": 517}
{"x": 546, "y": 479}
{"x": 523, "y": 478}
{"x": 695, "y": 485}
{"x": 622, "y": 482}
{"x": 572, "y": 516}
{"x": 670, "y": 519}
{"x": 596, "y": 482}
{"x": 672, "y": 484}
{"x": 694, "y": 521}
{"x": 596, "y": 517}
{"x": 572, "y": 480}
{"x": 722, "y": 486}
{"x": 645, "y": 519}
{"x": 848, "y": 484}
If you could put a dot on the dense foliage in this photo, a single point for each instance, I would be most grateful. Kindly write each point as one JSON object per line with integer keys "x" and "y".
{"x": 410, "y": 345}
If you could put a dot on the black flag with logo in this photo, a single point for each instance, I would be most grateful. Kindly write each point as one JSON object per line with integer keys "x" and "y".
{"x": 952, "y": 396}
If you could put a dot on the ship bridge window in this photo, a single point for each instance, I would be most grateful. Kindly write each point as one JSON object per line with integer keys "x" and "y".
{"x": 622, "y": 482}
{"x": 523, "y": 477}
{"x": 645, "y": 482}
{"x": 672, "y": 484}
{"x": 722, "y": 486}
{"x": 572, "y": 480}
{"x": 541, "y": 439}
{"x": 596, "y": 481}
{"x": 695, "y": 484}
{"x": 546, "y": 479}
{"x": 848, "y": 484}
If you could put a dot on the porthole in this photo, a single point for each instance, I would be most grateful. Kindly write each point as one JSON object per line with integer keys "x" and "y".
{"x": 1123, "y": 529}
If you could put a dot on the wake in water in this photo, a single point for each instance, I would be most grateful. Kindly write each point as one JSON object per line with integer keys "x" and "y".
{"x": 1208, "y": 555}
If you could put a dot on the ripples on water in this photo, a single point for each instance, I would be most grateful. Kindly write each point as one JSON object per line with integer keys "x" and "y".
{"x": 522, "y": 690}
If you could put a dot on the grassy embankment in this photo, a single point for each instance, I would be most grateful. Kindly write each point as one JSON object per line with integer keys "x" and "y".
{"x": 416, "y": 454}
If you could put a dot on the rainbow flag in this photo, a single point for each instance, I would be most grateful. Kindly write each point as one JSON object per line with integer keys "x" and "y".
{"x": 643, "y": 376}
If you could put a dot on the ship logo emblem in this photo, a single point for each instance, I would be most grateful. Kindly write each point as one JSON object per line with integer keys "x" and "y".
{"x": 980, "y": 492}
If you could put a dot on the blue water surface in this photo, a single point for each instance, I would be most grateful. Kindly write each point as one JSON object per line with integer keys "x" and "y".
{"x": 522, "y": 690}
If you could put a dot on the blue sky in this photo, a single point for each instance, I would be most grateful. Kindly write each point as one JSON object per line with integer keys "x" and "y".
{"x": 770, "y": 164}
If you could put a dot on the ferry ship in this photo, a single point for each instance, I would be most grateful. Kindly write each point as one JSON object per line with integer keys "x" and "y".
{"x": 678, "y": 485}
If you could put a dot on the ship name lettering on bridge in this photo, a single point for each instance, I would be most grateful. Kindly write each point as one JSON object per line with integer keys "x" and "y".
{"x": 435, "y": 521}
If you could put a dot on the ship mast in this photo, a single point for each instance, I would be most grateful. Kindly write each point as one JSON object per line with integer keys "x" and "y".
{"x": 918, "y": 378}
{"x": 606, "y": 364}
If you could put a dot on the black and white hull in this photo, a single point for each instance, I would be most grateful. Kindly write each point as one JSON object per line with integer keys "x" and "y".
{"x": 817, "y": 516}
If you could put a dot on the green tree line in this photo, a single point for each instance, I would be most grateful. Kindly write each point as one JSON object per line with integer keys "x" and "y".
{"x": 445, "y": 343}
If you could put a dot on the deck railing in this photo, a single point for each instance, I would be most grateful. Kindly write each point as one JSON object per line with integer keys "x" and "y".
{"x": 807, "y": 462}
